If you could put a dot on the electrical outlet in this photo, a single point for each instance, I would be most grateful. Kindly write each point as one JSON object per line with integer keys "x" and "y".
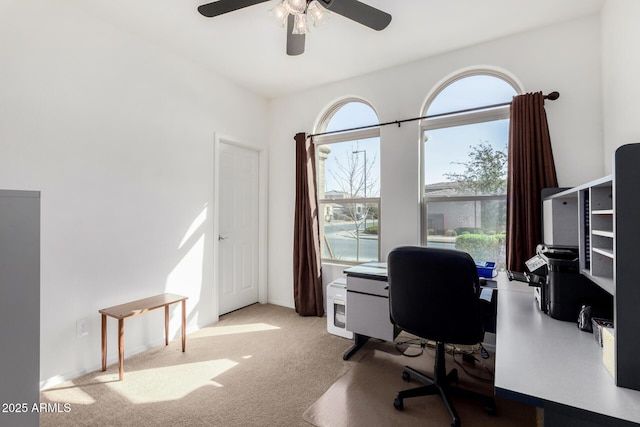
{"x": 82, "y": 328}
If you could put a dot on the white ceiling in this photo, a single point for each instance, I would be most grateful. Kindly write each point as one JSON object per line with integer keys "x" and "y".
{"x": 247, "y": 47}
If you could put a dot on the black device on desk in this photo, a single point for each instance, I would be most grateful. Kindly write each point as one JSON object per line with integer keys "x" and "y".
{"x": 537, "y": 267}
{"x": 536, "y": 276}
{"x": 561, "y": 290}
{"x": 567, "y": 289}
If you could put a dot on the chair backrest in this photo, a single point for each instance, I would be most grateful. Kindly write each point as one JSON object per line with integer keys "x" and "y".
{"x": 435, "y": 294}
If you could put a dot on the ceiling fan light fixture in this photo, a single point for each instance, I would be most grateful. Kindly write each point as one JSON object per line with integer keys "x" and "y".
{"x": 304, "y": 12}
{"x": 300, "y": 25}
{"x": 297, "y": 14}
{"x": 317, "y": 13}
{"x": 280, "y": 14}
{"x": 295, "y": 7}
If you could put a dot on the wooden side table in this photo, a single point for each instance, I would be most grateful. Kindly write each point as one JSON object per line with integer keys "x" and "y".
{"x": 135, "y": 308}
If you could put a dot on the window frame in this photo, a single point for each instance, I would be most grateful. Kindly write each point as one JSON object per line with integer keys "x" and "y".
{"x": 445, "y": 120}
{"x": 342, "y": 137}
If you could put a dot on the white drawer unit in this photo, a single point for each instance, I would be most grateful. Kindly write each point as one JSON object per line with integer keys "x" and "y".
{"x": 368, "y": 286}
{"x": 368, "y": 313}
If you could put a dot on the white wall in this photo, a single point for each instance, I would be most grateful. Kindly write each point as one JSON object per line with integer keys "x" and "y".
{"x": 564, "y": 57}
{"x": 118, "y": 135}
{"x": 621, "y": 71}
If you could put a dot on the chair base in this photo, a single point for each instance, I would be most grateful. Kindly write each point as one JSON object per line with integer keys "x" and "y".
{"x": 441, "y": 384}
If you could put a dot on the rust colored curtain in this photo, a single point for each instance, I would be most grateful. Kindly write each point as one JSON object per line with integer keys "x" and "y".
{"x": 530, "y": 169}
{"x": 307, "y": 273}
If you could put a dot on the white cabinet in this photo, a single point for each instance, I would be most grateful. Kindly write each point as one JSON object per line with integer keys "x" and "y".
{"x": 559, "y": 221}
{"x": 368, "y": 312}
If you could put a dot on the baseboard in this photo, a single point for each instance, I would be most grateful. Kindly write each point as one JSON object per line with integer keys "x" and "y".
{"x": 69, "y": 376}
{"x": 287, "y": 304}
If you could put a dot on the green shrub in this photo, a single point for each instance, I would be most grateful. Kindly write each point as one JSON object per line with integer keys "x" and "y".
{"x": 468, "y": 230}
{"x": 372, "y": 229}
{"x": 482, "y": 247}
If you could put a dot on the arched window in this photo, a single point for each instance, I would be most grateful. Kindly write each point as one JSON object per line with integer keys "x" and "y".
{"x": 464, "y": 165}
{"x": 349, "y": 183}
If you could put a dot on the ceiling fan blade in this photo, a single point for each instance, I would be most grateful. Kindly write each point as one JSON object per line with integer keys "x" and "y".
{"x": 224, "y": 6}
{"x": 359, "y": 12}
{"x": 295, "y": 42}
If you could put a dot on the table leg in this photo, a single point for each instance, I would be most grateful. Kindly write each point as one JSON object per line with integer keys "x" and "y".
{"x": 184, "y": 323}
{"x": 104, "y": 342}
{"x": 121, "y": 348}
{"x": 166, "y": 324}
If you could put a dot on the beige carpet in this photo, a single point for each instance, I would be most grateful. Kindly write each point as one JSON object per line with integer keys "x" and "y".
{"x": 260, "y": 366}
{"x": 364, "y": 396}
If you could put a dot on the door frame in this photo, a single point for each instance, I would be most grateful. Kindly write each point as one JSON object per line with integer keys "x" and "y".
{"x": 262, "y": 216}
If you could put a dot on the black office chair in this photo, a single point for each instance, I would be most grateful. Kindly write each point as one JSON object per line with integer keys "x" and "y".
{"x": 435, "y": 294}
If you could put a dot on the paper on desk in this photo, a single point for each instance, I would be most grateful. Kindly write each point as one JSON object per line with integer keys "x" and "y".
{"x": 486, "y": 294}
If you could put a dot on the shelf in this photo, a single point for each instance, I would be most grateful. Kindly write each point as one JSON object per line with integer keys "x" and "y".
{"x": 603, "y": 212}
{"x": 605, "y": 283}
{"x": 601, "y": 197}
{"x": 602, "y": 233}
{"x": 606, "y": 252}
{"x": 604, "y": 181}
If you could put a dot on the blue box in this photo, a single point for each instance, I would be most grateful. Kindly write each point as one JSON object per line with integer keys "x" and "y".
{"x": 486, "y": 269}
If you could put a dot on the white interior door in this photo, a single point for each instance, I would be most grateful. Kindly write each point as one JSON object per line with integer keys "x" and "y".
{"x": 238, "y": 226}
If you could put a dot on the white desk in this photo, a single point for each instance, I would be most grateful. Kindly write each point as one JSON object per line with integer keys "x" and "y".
{"x": 368, "y": 305}
{"x": 553, "y": 364}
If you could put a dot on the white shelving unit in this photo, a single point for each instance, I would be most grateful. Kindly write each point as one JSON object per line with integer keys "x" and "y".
{"x": 602, "y": 236}
{"x": 605, "y": 213}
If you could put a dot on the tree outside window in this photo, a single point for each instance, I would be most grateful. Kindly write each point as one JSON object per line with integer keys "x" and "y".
{"x": 349, "y": 187}
{"x": 464, "y": 168}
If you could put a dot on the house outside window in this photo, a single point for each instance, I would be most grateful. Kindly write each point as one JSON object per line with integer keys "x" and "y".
{"x": 464, "y": 165}
{"x": 349, "y": 184}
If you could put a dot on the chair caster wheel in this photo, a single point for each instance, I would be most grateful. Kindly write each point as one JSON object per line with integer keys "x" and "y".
{"x": 398, "y": 404}
{"x": 490, "y": 408}
{"x": 406, "y": 376}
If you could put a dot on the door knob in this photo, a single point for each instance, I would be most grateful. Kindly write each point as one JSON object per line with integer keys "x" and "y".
{"x": 222, "y": 237}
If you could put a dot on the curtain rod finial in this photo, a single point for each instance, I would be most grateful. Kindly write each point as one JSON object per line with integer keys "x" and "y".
{"x": 553, "y": 96}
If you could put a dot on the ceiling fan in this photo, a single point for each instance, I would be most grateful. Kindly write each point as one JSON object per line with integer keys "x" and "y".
{"x": 295, "y": 12}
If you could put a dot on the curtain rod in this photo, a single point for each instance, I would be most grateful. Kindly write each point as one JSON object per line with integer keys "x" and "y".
{"x": 551, "y": 97}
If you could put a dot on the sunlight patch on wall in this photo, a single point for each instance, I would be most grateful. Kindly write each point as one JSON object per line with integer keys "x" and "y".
{"x": 186, "y": 279}
{"x": 195, "y": 225}
{"x": 187, "y": 274}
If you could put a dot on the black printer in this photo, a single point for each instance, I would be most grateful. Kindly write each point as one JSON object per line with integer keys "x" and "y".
{"x": 561, "y": 290}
